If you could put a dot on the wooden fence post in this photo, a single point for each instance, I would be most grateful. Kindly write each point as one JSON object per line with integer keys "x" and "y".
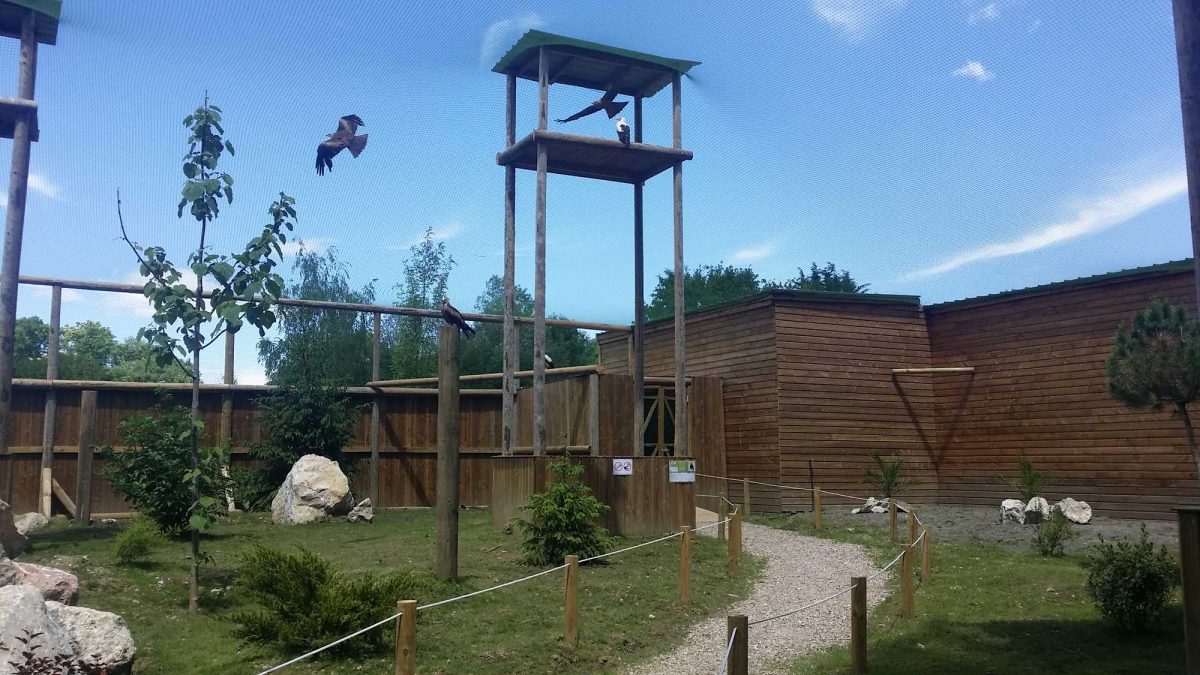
{"x": 406, "y": 638}
{"x": 739, "y": 655}
{"x": 892, "y": 518}
{"x": 746, "y": 496}
{"x": 735, "y": 543}
{"x": 447, "y": 461}
{"x": 926, "y": 547}
{"x": 1189, "y": 557}
{"x": 50, "y": 418}
{"x": 858, "y": 625}
{"x": 817, "y": 508}
{"x": 722, "y": 516}
{"x": 226, "y": 435}
{"x": 907, "y": 595}
{"x": 685, "y": 565}
{"x": 912, "y": 525}
{"x": 376, "y": 329}
{"x": 571, "y": 627}
{"x": 83, "y": 477}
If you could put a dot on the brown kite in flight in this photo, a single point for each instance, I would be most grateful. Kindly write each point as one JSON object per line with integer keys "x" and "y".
{"x": 342, "y": 138}
{"x": 605, "y": 103}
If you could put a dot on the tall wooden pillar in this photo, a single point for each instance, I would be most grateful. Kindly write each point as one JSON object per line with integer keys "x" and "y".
{"x": 376, "y": 334}
{"x": 512, "y": 356}
{"x": 446, "y": 560}
{"x": 638, "y": 366}
{"x": 1187, "y": 51}
{"x": 539, "y": 278}
{"x": 50, "y": 418}
{"x": 681, "y": 415}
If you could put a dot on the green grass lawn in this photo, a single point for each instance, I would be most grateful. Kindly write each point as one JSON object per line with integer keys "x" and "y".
{"x": 989, "y": 610}
{"x": 628, "y": 608}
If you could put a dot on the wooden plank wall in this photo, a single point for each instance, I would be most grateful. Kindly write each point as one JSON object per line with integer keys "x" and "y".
{"x": 838, "y": 402}
{"x": 641, "y": 504}
{"x": 566, "y": 413}
{"x": 1039, "y": 388}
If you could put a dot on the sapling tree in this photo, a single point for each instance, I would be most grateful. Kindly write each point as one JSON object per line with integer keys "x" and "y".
{"x": 187, "y": 319}
{"x": 1155, "y": 363}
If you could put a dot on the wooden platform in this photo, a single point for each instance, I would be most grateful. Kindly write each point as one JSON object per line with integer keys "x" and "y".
{"x": 12, "y": 109}
{"x": 590, "y": 157}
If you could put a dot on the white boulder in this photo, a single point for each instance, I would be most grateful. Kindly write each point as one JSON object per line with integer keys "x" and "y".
{"x": 314, "y": 489}
{"x": 30, "y": 522}
{"x": 24, "y": 617}
{"x": 362, "y": 513}
{"x": 1012, "y": 511}
{"x": 1037, "y": 510}
{"x": 53, "y": 584}
{"x": 1077, "y": 512}
{"x": 100, "y": 640}
{"x": 12, "y": 541}
{"x": 873, "y": 505}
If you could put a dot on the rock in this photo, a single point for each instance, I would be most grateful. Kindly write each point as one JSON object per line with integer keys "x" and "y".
{"x": 1012, "y": 511}
{"x": 1077, "y": 512}
{"x": 314, "y": 488}
{"x": 30, "y": 522}
{"x": 867, "y": 506}
{"x": 873, "y": 505}
{"x": 101, "y": 640}
{"x": 54, "y": 584}
{"x": 10, "y": 574}
{"x": 879, "y": 509}
{"x": 362, "y": 513}
{"x": 12, "y": 542}
{"x": 23, "y": 613}
{"x": 1037, "y": 510}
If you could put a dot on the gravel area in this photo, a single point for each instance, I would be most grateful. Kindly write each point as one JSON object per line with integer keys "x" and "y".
{"x": 799, "y": 570}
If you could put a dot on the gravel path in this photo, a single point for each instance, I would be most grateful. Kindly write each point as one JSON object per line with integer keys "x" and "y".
{"x": 799, "y": 570}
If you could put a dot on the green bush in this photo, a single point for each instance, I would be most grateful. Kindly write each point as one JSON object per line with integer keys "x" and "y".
{"x": 135, "y": 543}
{"x": 562, "y": 520}
{"x": 1029, "y": 482}
{"x": 151, "y": 473}
{"x": 1131, "y": 582}
{"x": 305, "y": 601}
{"x": 885, "y": 476}
{"x": 1052, "y": 534}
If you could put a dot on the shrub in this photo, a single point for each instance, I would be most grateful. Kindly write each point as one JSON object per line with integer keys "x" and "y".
{"x": 152, "y": 472}
{"x": 1130, "y": 582}
{"x": 1052, "y": 534}
{"x": 1029, "y": 482}
{"x": 135, "y": 543}
{"x": 26, "y": 660}
{"x": 306, "y": 601}
{"x": 562, "y": 520}
{"x": 885, "y": 476}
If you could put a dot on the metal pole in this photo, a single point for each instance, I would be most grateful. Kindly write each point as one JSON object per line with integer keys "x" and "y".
{"x": 1187, "y": 51}
{"x": 14, "y": 226}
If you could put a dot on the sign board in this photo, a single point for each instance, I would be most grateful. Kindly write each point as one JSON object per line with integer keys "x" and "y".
{"x": 622, "y": 466}
{"x": 682, "y": 471}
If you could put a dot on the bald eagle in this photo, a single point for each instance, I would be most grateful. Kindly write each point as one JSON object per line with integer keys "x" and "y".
{"x": 454, "y": 317}
{"x": 605, "y": 103}
{"x": 623, "y": 131}
{"x": 342, "y": 138}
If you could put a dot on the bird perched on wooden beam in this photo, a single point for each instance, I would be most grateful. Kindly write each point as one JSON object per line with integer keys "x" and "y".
{"x": 549, "y": 361}
{"x": 455, "y": 318}
{"x": 623, "y": 131}
{"x": 605, "y": 103}
{"x": 342, "y": 138}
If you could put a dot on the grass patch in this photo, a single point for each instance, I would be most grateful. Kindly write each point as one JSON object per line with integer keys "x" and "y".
{"x": 989, "y": 610}
{"x": 628, "y": 609}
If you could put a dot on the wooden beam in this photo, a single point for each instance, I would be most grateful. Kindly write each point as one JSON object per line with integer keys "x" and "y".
{"x": 681, "y": 399}
{"x": 539, "y": 271}
{"x": 484, "y": 377}
{"x": 512, "y": 357}
{"x": 543, "y": 88}
{"x": 63, "y": 497}
{"x": 102, "y": 385}
{"x": 638, "y": 363}
{"x": 904, "y": 371}
{"x": 858, "y": 625}
{"x": 594, "y": 413}
{"x": 83, "y": 473}
{"x": 406, "y": 638}
{"x": 736, "y": 628}
{"x": 50, "y": 416}
{"x": 376, "y": 335}
{"x": 447, "y": 461}
{"x": 1187, "y": 52}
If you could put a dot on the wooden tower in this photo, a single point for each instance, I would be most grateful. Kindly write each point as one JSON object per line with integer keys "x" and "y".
{"x": 553, "y": 59}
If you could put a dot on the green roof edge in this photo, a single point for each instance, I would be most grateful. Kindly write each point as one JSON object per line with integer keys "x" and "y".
{"x": 45, "y": 32}
{"x": 536, "y": 38}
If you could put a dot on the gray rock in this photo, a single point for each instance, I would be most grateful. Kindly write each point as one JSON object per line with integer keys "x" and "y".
{"x": 1012, "y": 511}
{"x": 30, "y": 522}
{"x": 54, "y": 584}
{"x": 12, "y": 542}
{"x": 362, "y": 513}
{"x": 314, "y": 489}
{"x": 1077, "y": 512}
{"x": 873, "y": 505}
{"x": 867, "y": 506}
{"x": 1037, "y": 510}
{"x": 10, "y": 574}
{"x": 23, "y": 612}
{"x": 101, "y": 640}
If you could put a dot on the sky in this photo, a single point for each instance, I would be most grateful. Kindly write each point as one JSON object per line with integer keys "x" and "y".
{"x": 940, "y": 148}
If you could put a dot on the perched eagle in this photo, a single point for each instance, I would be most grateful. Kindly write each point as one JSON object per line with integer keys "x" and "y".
{"x": 342, "y": 138}
{"x": 549, "y": 361}
{"x": 605, "y": 103}
{"x": 623, "y": 131}
{"x": 455, "y": 318}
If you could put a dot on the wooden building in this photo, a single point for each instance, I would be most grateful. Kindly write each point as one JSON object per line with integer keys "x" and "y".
{"x": 814, "y": 383}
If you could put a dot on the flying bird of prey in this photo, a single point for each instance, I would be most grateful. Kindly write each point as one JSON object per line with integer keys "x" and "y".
{"x": 342, "y": 138}
{"x": 605, "y": 103}
{"x": 623, "y": 131}
{"x": 455, "y": 318}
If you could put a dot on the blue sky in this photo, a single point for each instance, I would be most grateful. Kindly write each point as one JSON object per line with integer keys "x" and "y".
{"x": 939, "y": 148}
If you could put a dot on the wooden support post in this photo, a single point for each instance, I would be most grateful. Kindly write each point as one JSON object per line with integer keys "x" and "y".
{"x": 685, "y": 565}
{"x": 912, "y": 525}
{"x": 1187, "y": 52}
{"x": 926, "y": 548}
{"x": 226, "y": 430}
{"x": 892, "y": 518}
{"x": 83, "y": 475}
{"x": 447, "y": 461}
{"x": 539, "y": 273}
{"x": 63, "y": 497}
{"x": 737, "y": 627}
{"x": 660, "y": 441}
{"x": 50, "y": 418}
{"x": 907, "y": 594}
{"x": 735, "y": 544}
{"x": 681, "y": 399}
{"x": 406, "y": 638}
{"x": 816, "y": 497}
{"x": 722, "y": 516}
{"x": 512, "y": 361}
{"x": 1189, "y": 559}
{"x": 858, "y": 625}
{"x": 746, "y": 496}
{"x": 376, "y": 331}
{"x": 594, "y": 413}
{"x": 571, "y": 605}
{"x": 637, "y": 360}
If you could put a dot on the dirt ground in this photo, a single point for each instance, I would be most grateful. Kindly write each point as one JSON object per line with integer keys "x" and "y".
{"x": 979, "y": 524}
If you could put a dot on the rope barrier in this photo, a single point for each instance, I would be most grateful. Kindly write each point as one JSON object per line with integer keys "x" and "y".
{"x": 788, "y": 487}
{"x": 721, "y": 497}
{"x": 630, "y": 548}
{"x": 801, "y": 609}
{"x": 728, "y": 651}
{"x": 712, "y": 525}
{"x": 331, "y": 644}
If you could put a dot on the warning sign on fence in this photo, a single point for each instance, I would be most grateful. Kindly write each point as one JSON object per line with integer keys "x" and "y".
{"x": 682, "y": 471}
{"x": 622, "y": 466}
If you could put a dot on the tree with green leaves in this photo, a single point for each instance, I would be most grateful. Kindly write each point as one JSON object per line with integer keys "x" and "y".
{"x": 89, "y": 351}
{"x": 1155, "y": 363}
{"x": 426, "y": 278}
{"x": 710, "y": 285}
{"x": 826, "y": 278}
{"x": 245, "y": 288}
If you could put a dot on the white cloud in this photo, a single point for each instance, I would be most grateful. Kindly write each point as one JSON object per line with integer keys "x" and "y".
{"x": 853, "y": 17}
{"x": 1098, "y": 214}
{"x": 976, "y": 70}
{"x": 43, "y": 186}
{"x": 989, "y": 12}
{"x": 751, "y": 254}
{"x": 502, "y": 34}
{"x": 311, "y": 244}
